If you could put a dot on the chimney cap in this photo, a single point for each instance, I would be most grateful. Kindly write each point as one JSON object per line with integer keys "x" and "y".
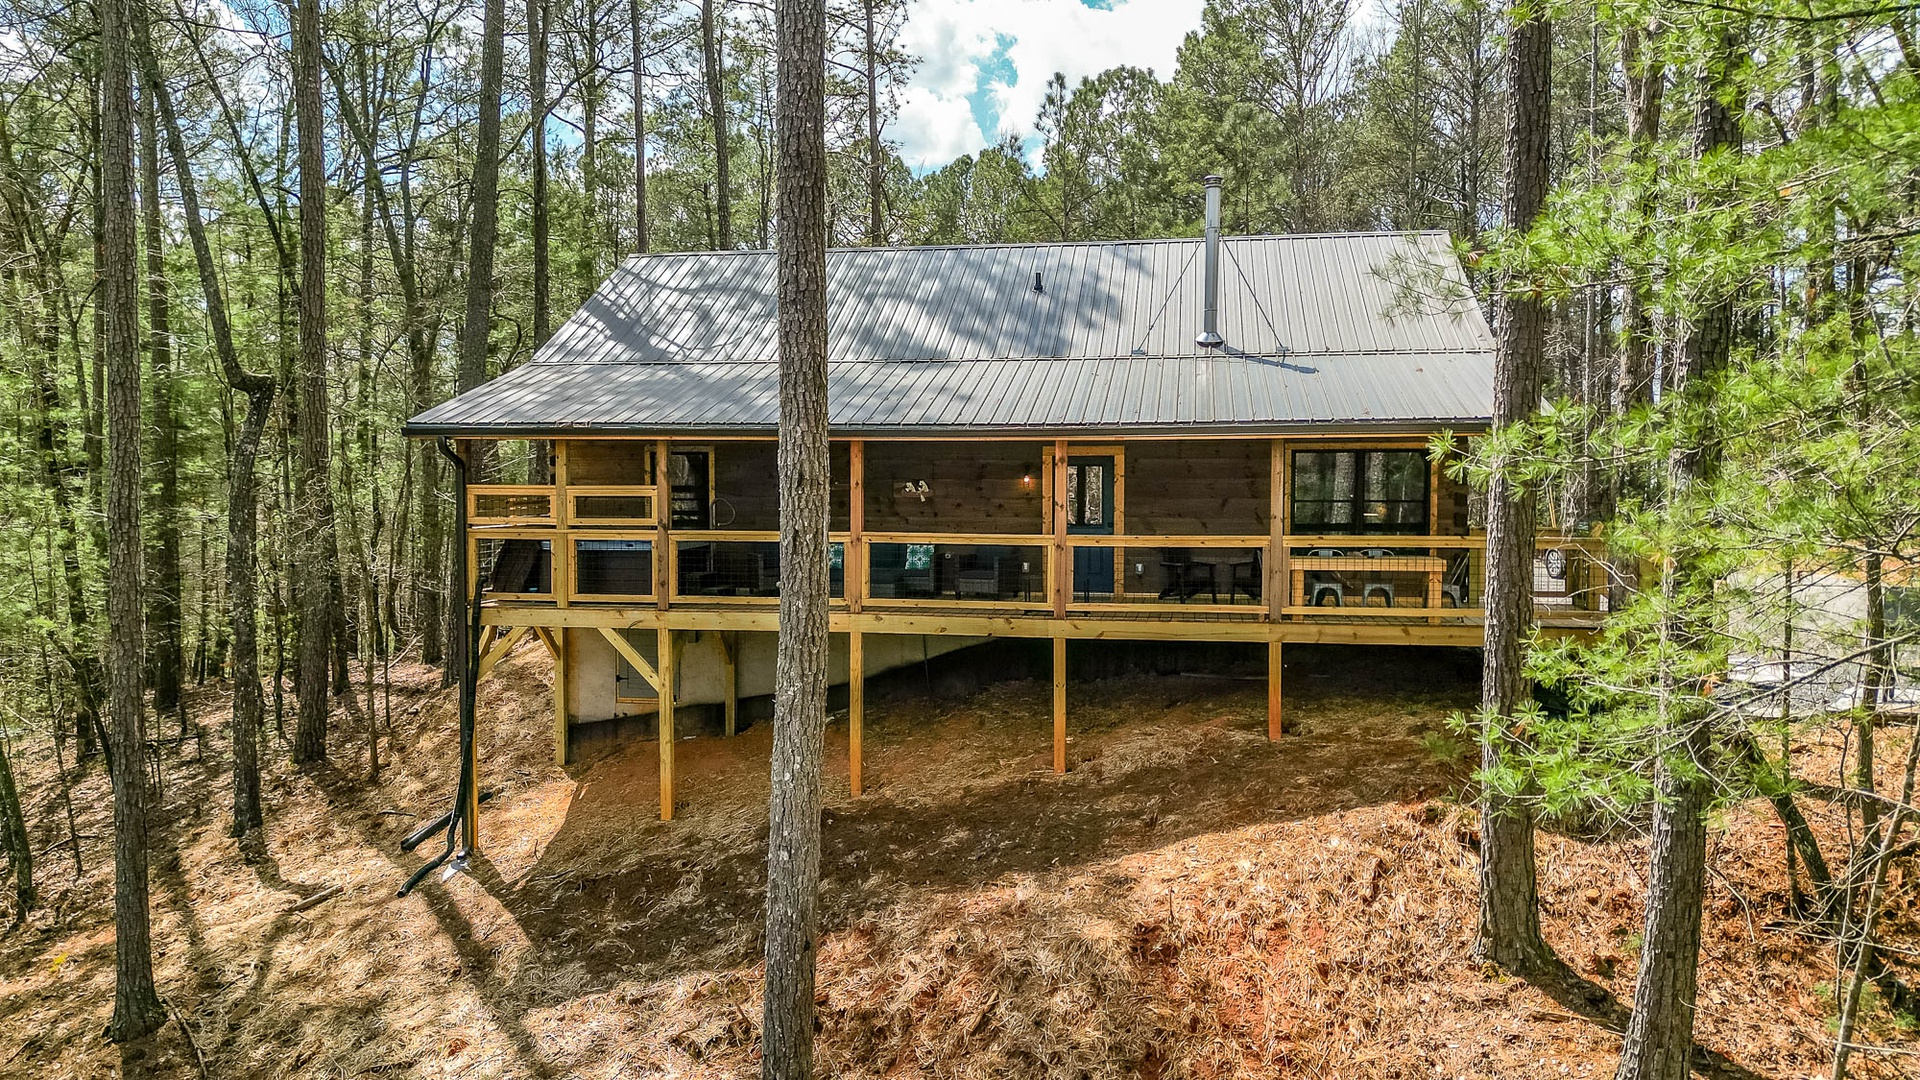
{"x": 1213, "y": 180}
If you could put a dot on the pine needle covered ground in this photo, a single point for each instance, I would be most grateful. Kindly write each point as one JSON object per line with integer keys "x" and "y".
{"x": 1189, "y": 901}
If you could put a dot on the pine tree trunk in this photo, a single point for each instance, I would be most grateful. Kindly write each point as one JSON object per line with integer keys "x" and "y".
{"x": 136, "y": 1005}
{"x": 586, "y": 261}
{"x": 710, "y": 38}
{"x": 876, "y": 163}
{"x": 640, "y": 240}
{"x": 163, "y": 598}
{"x": 1659, "y": 1040}
{"x": 316, "y": 558}
{"x": 248, "y": 712}
{"x": 472, "y": 369}
{"x": 800, "y": 672}
{"x": 1509, "y": 932}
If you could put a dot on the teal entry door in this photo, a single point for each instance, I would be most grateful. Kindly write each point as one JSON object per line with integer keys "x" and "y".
{"x": 1090, "y": 512}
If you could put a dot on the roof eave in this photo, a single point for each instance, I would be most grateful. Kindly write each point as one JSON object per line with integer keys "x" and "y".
{"x": 1464, "y": 424}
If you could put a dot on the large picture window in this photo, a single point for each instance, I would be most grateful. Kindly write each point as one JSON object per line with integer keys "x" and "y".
{"x": 1360, "y": 491}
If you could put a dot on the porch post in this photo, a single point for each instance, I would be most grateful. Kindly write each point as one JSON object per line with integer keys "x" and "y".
{"x": 662, "y": 529}
{"x": 562, "y": 561}
{"x": 1062, "y": 579}
{"x": 665, "y": 666}
{"x": 730, "y": 674}
{"x": 1059, "y": 703}
{"x": 856, "y": 707}
{"x": 853, "y": 564}
{"x": 559, "y": 640}
{"x": 1275, "y": 725}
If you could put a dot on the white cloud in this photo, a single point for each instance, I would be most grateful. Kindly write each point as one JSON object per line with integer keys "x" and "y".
{"x": 933, "y": 129}
{"x": 958, "y": 39}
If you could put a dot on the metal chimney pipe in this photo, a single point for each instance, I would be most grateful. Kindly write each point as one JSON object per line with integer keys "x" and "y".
{"x": 1210, "y": 320}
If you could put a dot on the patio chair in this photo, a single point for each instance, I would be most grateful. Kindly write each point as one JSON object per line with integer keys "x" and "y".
{"x": 1321, "y": 584}
{"x": 992, "y": 572}
{"x": 1245, "y": 578}
{"x": 1375, "y": 585}
{"x": 1454, "y": 585}
{"x": 1184, "y": 578}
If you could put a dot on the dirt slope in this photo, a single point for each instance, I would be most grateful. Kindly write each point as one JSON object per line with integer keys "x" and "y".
{"x": 1189, "y": 901}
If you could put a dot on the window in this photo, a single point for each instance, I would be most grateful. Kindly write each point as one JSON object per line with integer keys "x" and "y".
{"x": 1360, "y": 491}
{"x": 1090, "y": 495}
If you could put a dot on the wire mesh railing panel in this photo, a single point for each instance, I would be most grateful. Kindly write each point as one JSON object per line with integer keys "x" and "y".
{"x": 611, "y": 568}
{"x": 1374, "y": 575}
{"x": 979, "y": 573}
{"x": 743, "y": 568}
{"x": 1170, "y": 574}
{"x": 510, "y": 507}
{"x": 513, "y": 566}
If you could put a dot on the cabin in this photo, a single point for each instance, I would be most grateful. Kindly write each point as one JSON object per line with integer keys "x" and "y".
{"x": 1214, "y": 439}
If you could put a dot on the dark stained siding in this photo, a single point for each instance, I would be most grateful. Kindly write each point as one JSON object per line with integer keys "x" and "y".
{"x": 972, "y": 487}
{"x": 1216, "y": 488}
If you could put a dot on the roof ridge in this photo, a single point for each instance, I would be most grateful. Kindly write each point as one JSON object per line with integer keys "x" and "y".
{"x": 1355, "y": 234}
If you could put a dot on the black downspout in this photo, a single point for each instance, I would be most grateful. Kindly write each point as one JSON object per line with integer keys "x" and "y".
{"x": 466, "y": 671}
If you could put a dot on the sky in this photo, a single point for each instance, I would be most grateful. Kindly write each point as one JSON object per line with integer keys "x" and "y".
{"x": 985, "y": 64}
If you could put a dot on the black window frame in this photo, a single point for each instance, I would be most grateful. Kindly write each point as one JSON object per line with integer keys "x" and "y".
{"x": 1355, "y": 500}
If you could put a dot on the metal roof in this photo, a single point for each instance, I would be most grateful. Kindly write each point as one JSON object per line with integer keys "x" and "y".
{"x": 1317, "y": 332}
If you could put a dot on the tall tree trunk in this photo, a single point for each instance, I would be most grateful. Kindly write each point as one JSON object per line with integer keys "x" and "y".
{"x": 876, "y": 164}
{"x": 163, "y": 597}
{"x": 711, "y": 36}
{"x": 13, "y": 830}
{"x": 1509, "y": 932}
{"x": 537, "y": 35}
{"x": 640, "y": 241}
{"x": 248, "y": 711}
{"x": 486, "y": 201}
{"x": 136, "y": 1005}
{"x": 587, "y": 255}
{"x": 1659, "y": 1040}
{"x": 316, "y": 556}
{"x": 1633, "y": 383}
{"x": 800, "y": 669}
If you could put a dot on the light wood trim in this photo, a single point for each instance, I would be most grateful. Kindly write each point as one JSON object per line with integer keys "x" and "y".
{"x": 1155, "y": 607}
{"x": 1383, "y": 540}
{"x": 935, "y": 604}
{"x": 559, "y": 650}
{"x": 562, "y": 548}
{"x": 1277, "y": 503}
{"x": 668, "y": 663}
{"x": 497, "y": 651}
{"x": 616, "y": 490}
{"x": 625, "y": 648}
{"x": 1275, "y": 724}
{"x": 856, "y": 707}
{"x": 730, "y": 675}
{"x": 664, "y": 575}
{"x": 1102, "y": 540}
{"x": 1060, "y": 573}
{"x": 853, "y": 561}
{"x": 1352, "y": 610}
{"x": 1060, "y": 704}
{"x": 1039, "y": 540}
{"x": 573, "y": 565}
{"x": 727, "y": 536}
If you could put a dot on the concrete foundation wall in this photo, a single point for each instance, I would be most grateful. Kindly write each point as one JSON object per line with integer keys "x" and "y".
{"x": 592, "y": 693}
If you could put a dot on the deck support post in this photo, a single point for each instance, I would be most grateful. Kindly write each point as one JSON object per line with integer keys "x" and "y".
{"x": 1060, "y": 704}
{"x": 665, "y": 661}
{"x": 730, "y": 677}
{"x": 559, "y": 642}
{"x": 1275, "y": 724}
{"x": 856, "y": 707}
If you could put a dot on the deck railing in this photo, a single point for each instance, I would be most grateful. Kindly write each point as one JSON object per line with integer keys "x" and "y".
{"x": 607, "y": 544}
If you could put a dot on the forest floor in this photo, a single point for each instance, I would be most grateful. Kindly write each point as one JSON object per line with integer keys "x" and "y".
{"x": 1188, "y": 901}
